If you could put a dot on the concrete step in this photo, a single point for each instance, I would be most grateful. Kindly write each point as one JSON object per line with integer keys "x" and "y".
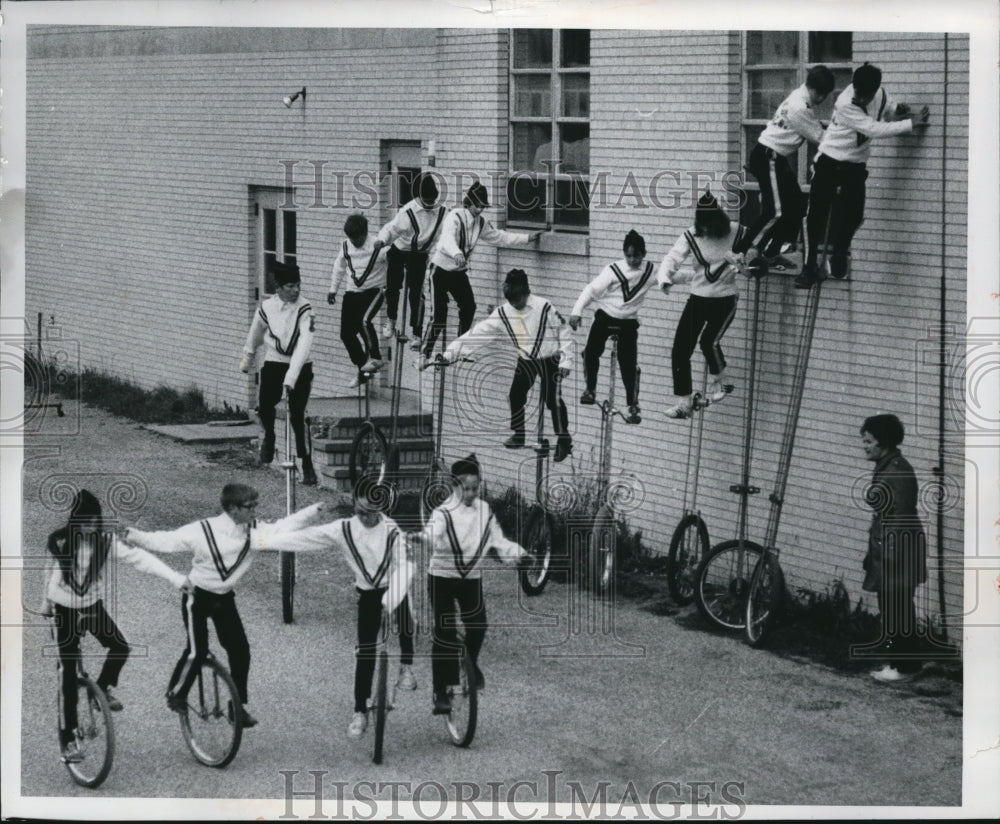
{"x": 338, "y": 453}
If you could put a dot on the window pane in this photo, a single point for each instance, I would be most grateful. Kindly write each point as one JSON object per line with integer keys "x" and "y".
{"x": 270, "y": 230}
{"x": 572, "y": 206}
{"x": 532, "y": 147}
{"x": 772, "y": 47}
{"x": 575, "y": 139}
{"x": 575, "y": 47}
{"x": 767, "y": 89}
{"x": 526, "y": 199}
{"x": 830, "y": 47}
{"x": 532, "y": 48}
{"x": 269, "y": 259}
{"x": 576, "y": 95}
{"x": 289, "y": 221}
{"x": 532, "y": 96}
{"x": 750, "y": 210}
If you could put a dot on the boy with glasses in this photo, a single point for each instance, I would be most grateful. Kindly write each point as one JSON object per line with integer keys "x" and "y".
{"x": 221, "y": 549}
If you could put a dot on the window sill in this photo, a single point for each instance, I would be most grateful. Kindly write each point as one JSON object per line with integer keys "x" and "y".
{"x": 558, "y": 243}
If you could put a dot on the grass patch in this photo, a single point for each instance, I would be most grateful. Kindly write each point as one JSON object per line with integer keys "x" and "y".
{"x": 121, "y": 397}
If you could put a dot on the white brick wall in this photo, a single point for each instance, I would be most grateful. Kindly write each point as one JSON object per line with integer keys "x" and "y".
{"x": 139, "y": 164}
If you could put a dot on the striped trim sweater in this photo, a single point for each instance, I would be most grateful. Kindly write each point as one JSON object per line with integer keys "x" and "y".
{"x": 852, "y": 127}
{"x": 359, "y": 268}
{"x": 709, "y": 264}
{"x": 537, "y": 331}
{"x": 415, "y": 228}
{"x": 459, "y": 537}
{"x": 460, "y": 234}
{"x": 221, "y": 549}
{"x": 286, "y": 328}
{"x": 619, "y": 290}
{"x": 793, "y": 123}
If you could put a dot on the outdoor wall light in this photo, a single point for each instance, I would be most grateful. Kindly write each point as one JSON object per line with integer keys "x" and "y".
{"x": 289, "y": 99}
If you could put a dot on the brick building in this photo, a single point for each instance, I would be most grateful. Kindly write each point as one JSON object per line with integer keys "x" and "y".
{"x": 163, "y": 171}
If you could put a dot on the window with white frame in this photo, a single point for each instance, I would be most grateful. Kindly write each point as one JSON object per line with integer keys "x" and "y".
{"x": 549, "y": 129}
{"x": 774, "y": 64}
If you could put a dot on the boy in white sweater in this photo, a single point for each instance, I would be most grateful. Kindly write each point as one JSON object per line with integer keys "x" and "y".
{"x": 619, "y": 292}
{"x": 370, "y": 543}
{"x": 460, "y": 532}
{"x": 863, "y": 111}
{"x": 361, "y": 264}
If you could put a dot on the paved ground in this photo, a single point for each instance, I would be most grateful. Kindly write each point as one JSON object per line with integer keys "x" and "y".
{"x": 629, "y": 701}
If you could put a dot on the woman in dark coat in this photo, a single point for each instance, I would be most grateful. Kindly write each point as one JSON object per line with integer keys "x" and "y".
{"x": 896, "y": 562}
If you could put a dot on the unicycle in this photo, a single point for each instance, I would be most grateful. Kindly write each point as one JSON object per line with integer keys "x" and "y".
{"x": 381, "y": 699}
{"x": 94, "y": 733}
{"x": 370, "y": 457}
{"x": 601, "y": 544}
{"x": 287, "y": 559}
{"x": 212, "y": 718}
{"x": 689, "y": 544}
{"x": 464, "y": 697}
{"x": 537, "y": 536}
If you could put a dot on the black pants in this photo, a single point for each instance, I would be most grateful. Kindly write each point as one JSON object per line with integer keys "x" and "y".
{"x": 71, "y": 626}
{"x": 272, "y": 374}
{"x": 845, "y": 210}
{"x": 197, "y": 609}
{"x": 709, "y": 318}
{"x": 603, "y": 327}
{"x": 357, "y": 326}
{"x": 898, "y": 616}
{"x": 369, "y": 625}
{"x": 525, "y": 374}
{"x": 412, "y": 266}
{"x": 782, "y": 204}
{"x": 445, "y": 594}
{"x": 445, "y": 282}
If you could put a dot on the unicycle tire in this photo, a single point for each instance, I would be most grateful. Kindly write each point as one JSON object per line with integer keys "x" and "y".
{"x": 537, "y": 540}
{"x": 764, "y": 599}
{"x": 212, "y": 721}
{"x": 369, "y": 455}
{"x": 287, "y": 587}
{"x": 94, "y": 735}
{"x": 601, "y": 551}
{"x": 381, "y": 705}
{"x": 461, "y": 721}
{"x": 724, "y": 581}
{"x": 688, "y": 548}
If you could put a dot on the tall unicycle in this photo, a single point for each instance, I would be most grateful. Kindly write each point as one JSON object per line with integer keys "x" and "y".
{"x": 536, "y": 537}
{"x": 767, "y": 585}
{"x": 437, "y": 484}
{"x": 601, "y": 544}
{"x": 287, "y": 559}
{"x": 723, "y": 577}
{"x": 689, "y": 544}
{"x": 370, "y": 458}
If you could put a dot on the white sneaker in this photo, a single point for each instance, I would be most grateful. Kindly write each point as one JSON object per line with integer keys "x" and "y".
{"x": 406, "y": 681}
{"x": 888, "y": 674}
{"x": 372, "y": 365}
{"x": 682, "y": 409}
{"x": 358, "y": 725}
{"x": 388, "y": 328}
{"x": 356, "y": 381}
{"x": 716, "y": 391}
{"x": 415, "y": 343}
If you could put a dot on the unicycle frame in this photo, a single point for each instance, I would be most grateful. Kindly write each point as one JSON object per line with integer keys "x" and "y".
{"x": 287, "y": 559}
{"x": 87, "y": 729}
